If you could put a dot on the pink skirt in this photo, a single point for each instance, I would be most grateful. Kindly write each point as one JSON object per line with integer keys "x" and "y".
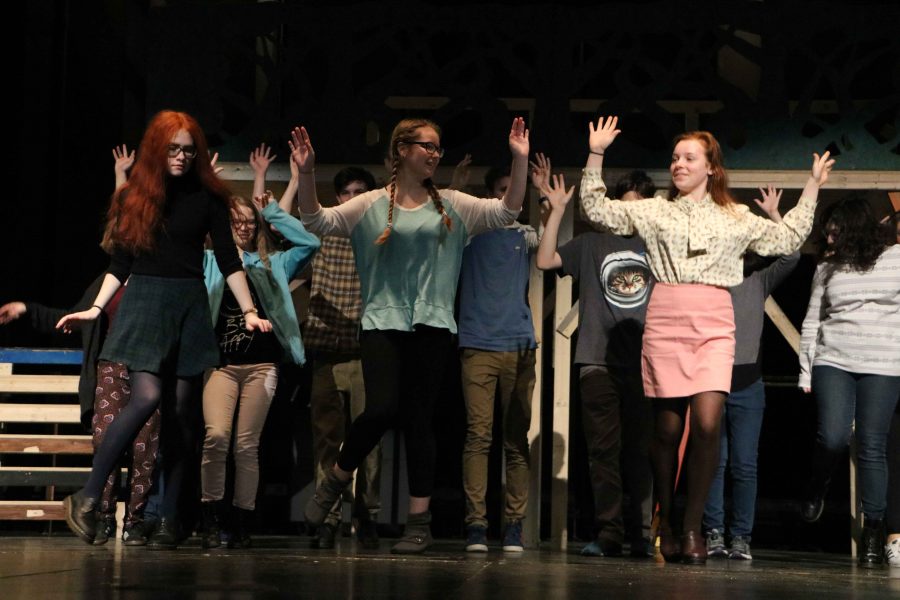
{"x": 688, "y": 341}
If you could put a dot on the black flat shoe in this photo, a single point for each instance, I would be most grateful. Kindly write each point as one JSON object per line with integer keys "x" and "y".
{"x": 165, "y": 537}
{"x": 81, "y": 516}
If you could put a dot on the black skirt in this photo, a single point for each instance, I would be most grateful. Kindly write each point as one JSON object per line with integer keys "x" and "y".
{"x": 162, "y": 324}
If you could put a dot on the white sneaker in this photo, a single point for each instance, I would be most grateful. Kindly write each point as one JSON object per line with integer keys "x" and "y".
{"x": 892, "y": 553}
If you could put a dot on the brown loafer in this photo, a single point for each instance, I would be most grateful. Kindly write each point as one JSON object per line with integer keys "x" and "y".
{"x": 693, "y": 548}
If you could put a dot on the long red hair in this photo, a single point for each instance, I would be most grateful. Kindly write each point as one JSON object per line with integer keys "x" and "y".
{"x": 717, "y": 184}
{"x": 136, "y": 209}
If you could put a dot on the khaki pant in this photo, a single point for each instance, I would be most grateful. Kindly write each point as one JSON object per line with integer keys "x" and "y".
{"x": 247, "y": 389}
{"x": 336, "y": 381}
{"x": 483, "y": 372}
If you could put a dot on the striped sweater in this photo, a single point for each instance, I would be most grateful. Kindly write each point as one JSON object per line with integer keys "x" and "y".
{"x": 853, "y": 319}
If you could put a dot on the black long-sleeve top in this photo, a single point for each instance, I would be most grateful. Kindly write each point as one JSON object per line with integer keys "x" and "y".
{"x": 44, "y": 319}
{"x": 190, "y": 211}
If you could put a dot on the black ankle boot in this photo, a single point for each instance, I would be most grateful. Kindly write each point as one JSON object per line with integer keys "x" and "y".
{"x": 813, "y": 505}
{"x": 209, "y": 513}
{"x": 871, "y": 544}
{"x": 81, "y": 516}
{"x": 240, "y": 532}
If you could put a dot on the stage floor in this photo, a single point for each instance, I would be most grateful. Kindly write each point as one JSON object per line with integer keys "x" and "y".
{"x": 281, "y": 567}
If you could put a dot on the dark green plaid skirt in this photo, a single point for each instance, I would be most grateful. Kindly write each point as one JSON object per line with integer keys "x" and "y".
{"x": 162, "y": 324}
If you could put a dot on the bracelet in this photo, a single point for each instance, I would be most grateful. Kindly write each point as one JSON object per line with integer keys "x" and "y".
{"x": 98, "y": 307}
{"x": 252, "y": 309}
{"x": 597, "y": 153}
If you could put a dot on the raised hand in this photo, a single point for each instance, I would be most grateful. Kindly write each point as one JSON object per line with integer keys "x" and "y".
{"x": 261, "y": 158}
{"x": 252, "y": 322}
{"x": 603, "y": 134}
{"x": 72, "y": 319}
{"x": 460, "y": 178}
{"x": 821, "y": 167}
{"x": 264, "y": 200}
{"x": 302, "y": 151}
{"x": 518, "y": 138}
{"x": 769, "y": 203}
{"x": 540, "y": 171}
{"x": 556, "y": 192}
{"x": 11, "y": 311}
{"x": 212, "y": 163}
{"x": 124, "y": 160}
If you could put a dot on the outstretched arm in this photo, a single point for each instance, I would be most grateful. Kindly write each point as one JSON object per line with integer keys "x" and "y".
{"x": 108, "y": 289}
{"x": 559, "y": 197}
{"x": 518, "y": 172}
{"x": 303, "y": 154}
{"x": 260, "y": 159}
{"x": 786, "y": 236}
{"x": 123, "y": 162}
{"x": 289, "y": 197}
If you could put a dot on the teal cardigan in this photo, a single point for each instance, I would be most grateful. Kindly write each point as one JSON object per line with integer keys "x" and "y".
{"x": 272, "y": 286}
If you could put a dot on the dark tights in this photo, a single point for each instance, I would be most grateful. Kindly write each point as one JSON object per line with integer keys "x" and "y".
{"x": 178, "y": 438}
{"x": 702, "y": 455}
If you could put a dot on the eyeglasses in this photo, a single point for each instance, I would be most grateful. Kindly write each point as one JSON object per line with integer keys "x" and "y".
{"x": 243, "y": 223}
{"x": 189, "y": 151}
{"x": 429, "y": 147}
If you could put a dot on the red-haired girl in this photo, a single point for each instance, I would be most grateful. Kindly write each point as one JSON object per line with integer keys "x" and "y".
{"x": 408, "y": 241}
{"x": 157, "y": 223}
{"x": 695, "y": 241}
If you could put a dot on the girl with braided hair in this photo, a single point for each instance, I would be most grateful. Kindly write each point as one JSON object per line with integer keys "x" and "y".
{"x": 408, "y": 241}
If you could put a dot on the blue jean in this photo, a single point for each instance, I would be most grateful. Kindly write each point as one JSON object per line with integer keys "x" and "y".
{"x": 741, "y": 423}
{"x": 841, "y": 397}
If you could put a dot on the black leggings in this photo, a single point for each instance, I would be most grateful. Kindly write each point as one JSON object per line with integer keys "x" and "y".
{"x": 893, "y": 464}
{"x": 178, "y": 434}
{"x": 403, "y": 372}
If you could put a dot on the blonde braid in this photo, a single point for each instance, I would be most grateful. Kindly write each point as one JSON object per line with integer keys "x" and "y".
{"x": 438, "y": 203}
{"x": 395, "y": 167}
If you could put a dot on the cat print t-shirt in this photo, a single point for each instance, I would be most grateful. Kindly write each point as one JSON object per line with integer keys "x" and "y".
{"x": 614, "y": 283}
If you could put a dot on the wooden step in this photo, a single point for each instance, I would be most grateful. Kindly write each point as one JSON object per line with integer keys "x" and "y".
{"x": 45, "y": 476}
{"x": 22, "y": 510}
{"x": 40, "y": 413}
{"x": 46, "y": 444}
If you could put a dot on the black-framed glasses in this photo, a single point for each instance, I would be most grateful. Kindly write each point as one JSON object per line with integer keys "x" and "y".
{"x": 244, "y": 223}
{"x": 429, "y": 147}
{"x": 189, "y": 151}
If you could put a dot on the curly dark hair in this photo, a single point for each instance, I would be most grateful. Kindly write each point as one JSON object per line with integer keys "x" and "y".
{"x": 859, "y": 239}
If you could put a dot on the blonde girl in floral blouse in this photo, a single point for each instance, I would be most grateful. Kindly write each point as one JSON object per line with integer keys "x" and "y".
{"x": 695, "y": 239}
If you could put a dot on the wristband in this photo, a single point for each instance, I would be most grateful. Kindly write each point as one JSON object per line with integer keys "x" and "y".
{"x": 252, "y": 309}
{"x": 597, "y": 153}
{"x": 99, "y": 307}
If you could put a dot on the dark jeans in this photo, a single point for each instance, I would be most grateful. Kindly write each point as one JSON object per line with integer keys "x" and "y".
{"x": 403, "y": 372}
{"x": 841, "y": 397}
{"x": 893, "y": 458}
{"x": 741, "y": 424}
{"x": 618, "y": 426}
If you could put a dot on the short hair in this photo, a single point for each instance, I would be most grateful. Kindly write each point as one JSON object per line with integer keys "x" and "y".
{"x": 349, "y": 174}
{"x": 493, "y": 175}
{"x": 635, "y": 181}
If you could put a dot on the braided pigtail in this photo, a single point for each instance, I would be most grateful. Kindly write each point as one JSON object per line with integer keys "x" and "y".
{"x": 438, "y": 203}
{"x": 395, "y": 166}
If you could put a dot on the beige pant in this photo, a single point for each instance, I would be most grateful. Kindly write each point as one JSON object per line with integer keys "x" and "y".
{"x": 334, "y": 379}
{"x": 247, "y": 389}
{"x": 483, "y": 372}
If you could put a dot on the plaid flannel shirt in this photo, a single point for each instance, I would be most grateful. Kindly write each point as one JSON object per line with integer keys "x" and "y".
{"x": 335, "y": 304}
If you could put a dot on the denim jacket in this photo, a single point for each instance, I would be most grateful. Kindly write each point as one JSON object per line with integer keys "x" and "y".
{"x": 272, "y": 286}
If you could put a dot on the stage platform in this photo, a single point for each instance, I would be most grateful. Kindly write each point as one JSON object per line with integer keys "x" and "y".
{"x": 281, "y": 567}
